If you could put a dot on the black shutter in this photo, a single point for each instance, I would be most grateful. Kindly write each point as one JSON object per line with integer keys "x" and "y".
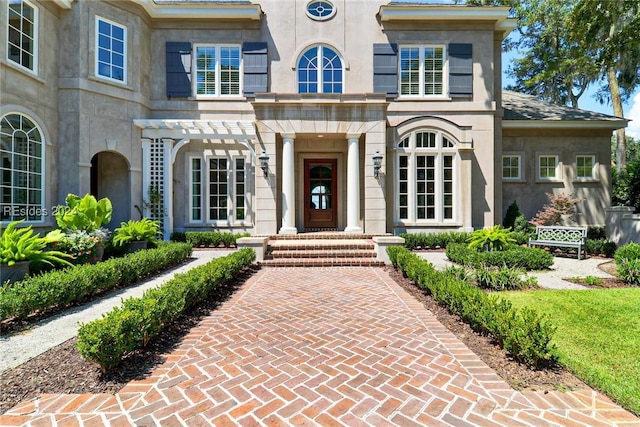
{"x": 460, "y": 70}
{"x": 254, "y": 61}
{"x": 385, "y": 69}
{"x": 178, "y": 69}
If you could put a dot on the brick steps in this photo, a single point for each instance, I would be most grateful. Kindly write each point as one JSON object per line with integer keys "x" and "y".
{"x": 321, "y": 250}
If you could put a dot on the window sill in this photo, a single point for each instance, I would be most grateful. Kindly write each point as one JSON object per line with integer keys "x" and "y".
{"x": 586, "y": 181}
{"x": 514, "y": 181}
{"x": 548, "y": 181}
{"x": 22, "y": 70}
{"x": 218, "y": 98}
{"x": 401, "y": 98}
{"x": 398, "y": 223}
{"x": 113, "y": 83}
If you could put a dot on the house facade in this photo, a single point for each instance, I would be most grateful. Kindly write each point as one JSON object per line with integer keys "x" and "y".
{"x": 282, "y": 116}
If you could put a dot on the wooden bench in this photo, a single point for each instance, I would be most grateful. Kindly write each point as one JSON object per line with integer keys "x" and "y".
{"x": 562, "y": 237}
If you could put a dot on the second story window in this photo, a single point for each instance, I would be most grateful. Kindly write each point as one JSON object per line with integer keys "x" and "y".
{"x": 111, "y": 50}
{"x": 22, "y": 34}
{"x": 320, "y": 71}
{"x": 422, "y": 71}
{"x": 217, "y": 70}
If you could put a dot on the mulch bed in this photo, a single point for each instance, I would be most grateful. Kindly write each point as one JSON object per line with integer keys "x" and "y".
{"x": 63, "y": 370}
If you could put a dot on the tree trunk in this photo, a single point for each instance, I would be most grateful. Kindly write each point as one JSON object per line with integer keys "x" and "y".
{"x": 616, "y": 101}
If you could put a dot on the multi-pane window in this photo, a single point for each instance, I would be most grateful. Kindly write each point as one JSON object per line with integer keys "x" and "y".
{"x": 111, "y": 50}
{"x": 422, "y": 70}
{"x": 22, "y": 34}
{"x": 21, "y": 169}
{"x": 547, "y": 167}
{"x": 511, "y": 169}
{"x": 585, "y": 167}
{"x": 217, "y": 70}
{"x": 218, "y": 192}
{"x": 320, "y": 71}
{"x": 426, "y": 178}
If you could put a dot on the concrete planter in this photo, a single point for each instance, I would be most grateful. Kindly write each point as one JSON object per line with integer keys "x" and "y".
{"x": 136, "y": 245}
{"x": 13, "y": 273}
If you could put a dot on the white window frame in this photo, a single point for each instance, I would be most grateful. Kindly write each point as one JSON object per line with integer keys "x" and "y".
{"x": 125, "y": 50}
{"x": 35, "y": 37}
{"x": 232, "y": 208}
{"x": 319, "y": 62}
{"x": 421, "y": 72}
{"x": 557, "y": 176}
{"x": 502, "y": 166}
{"x": 217, "y": 71}
{"x": 40, "y": 208}
{"x": 412, "y": 151}
{"x": 594, "y": 168}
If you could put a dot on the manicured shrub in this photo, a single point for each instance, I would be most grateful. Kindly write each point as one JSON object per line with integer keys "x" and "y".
{"x": 521, "y": 224}
{"x": 75, "y": 284}
{"x": 108, "y": 340}
{"x": 513, "y": 256}
{"x": 596, "y": 232}
{"x": 433, "y": 240}
{"x": 178, "y": 236}
{"x": 524, "y": 333}
{"x": 601, "y": 247}
{"x": 513, "y": 211}
{"x": 213, "y": 238}
{"x": 627, "y": 259}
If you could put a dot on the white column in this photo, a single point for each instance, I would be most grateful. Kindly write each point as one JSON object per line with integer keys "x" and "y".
{"x": 288, "y": 186}
{"x": 353, "y": 184}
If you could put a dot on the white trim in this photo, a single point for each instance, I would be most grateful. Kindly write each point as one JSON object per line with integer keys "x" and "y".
{"x": 564, "y": 124}
{"x": 64, "y": 4}
{"x": 421, "y": 73}
{"x": 36, "y": 40}
{"x": 558, "y": 169}
{"x": 200, "y": 10}
{"x": 319, "y": 59}
{"x": 594, "y": 168}
{"x": 320, "y": 18}
{"x": 125, "y": 49}
{"x": 520, "y": 169}
{"x": 189, "y": 158}
{"x": 318, "y": 42}
{"x": 217, "y": 71}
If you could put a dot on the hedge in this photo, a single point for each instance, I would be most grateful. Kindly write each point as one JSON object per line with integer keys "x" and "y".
{"x": 514, "y": 256}
{"x": 627, "y": 259}
{"x": 108, "y": 340}
{"x": 524, "y": 333}
{"x": 76, "y": 284}
{"x": 433, "y": 240}
{"x": 209, "y": 238}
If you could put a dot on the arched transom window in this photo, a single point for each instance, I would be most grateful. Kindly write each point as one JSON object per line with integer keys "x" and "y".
{"x": 426, "y": 171}
{"x": 320, "y": 71}
{"x": 21, "y": 169}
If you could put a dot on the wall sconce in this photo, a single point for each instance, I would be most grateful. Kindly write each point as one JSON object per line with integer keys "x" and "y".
{"x": 377, "y": 164}
{"x": 264, "y": 163}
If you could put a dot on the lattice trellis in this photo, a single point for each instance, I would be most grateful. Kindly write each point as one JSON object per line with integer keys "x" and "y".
{"x": 561, "y": 234}
{"x": 154, "y": 197}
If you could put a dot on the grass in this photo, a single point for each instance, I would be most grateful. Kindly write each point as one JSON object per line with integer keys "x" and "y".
{"x": 598, "y": 336}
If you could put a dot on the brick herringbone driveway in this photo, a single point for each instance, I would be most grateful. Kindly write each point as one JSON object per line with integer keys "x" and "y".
{"x": 335, "y": 346}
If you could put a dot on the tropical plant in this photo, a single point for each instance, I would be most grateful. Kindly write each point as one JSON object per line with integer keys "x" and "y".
{"x": 22, "y": 244}
{"x": 131, "y": 231}
{"x": 491, "y": 239}
{"x": 84, "y": 213}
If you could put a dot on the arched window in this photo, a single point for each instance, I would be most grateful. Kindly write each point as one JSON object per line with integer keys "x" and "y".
{"x": 320, "y": 71}
{"x": 426, "y": 172}
{"x": 21, "y": 169}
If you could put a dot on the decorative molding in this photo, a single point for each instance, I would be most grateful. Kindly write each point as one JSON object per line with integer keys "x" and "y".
{"x": 200, "y": 10}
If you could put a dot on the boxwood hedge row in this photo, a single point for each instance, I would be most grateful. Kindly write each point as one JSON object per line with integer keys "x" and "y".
{"x": 75, "y": 284}
{"x": 209, "y": 238}
{"x": 514, "y": 256}
{"x": 524, "y": 333}
{"x": 108, "y": 340}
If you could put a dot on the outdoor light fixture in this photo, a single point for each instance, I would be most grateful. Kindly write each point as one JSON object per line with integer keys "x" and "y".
{"x": 377, "y": 164}
{"x": 264, "y": 163}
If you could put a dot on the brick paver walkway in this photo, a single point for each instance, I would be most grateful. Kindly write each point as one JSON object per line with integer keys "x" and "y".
{"x": 335, "y": 346}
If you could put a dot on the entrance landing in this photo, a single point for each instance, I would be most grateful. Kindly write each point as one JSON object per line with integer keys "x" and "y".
{"x": 322, "y": 346}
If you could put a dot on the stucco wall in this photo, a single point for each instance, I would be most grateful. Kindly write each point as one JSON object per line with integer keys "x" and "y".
{"x": 530, "y": 194}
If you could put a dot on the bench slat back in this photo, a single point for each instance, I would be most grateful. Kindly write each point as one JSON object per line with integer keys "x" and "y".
{"x": 560, "y": 234}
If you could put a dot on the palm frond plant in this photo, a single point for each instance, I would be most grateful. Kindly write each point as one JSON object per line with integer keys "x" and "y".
{"x": 132, "y": 231}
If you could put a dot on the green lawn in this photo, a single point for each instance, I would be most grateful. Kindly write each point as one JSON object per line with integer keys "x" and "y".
{"x": 598, "y": 336}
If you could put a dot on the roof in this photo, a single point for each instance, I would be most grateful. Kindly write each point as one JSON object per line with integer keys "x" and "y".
{"x": 521, "y": 110}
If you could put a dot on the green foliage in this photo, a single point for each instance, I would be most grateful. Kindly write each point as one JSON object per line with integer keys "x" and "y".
{"x": 84, "y": 213}
{"x": 602, "y": 247}
{"x": 594, "y": 232}
{"x": 503, "y": 278}
{"x": 559, "y": 205}
{"x": 82, "y": 246}
{"x": 22, "y": 244}
{"x": 73, "y": 285}
{"x": 124, "y": 329}
{"x": 178, "y": 236}
{"x": 213, "y": 238}
{"x": 513, "y": 257}
{"x": 433, "y": 240}
{"x": 521, "y": 224}
{"x": 627, "y": 259}
{"x": 513, "y": 211}
{"x": 524, "y": 333}
{"x": 626, "y": 186}
{"x": 131, "y": 231}
{"x": 494, "y": 238}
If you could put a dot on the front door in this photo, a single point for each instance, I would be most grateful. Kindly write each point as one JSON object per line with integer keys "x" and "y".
{"x": 320, "y": 195}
